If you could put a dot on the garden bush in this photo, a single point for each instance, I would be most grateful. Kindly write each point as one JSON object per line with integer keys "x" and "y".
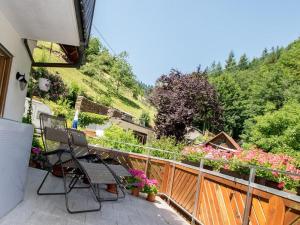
{"x": 115, "y": 137}
{"x": 86, "y": 118}
{"x": 58, "y": 90}
{"x": 166, "y": 144}
{"x": 277, "y": 131}
{"x": 145, "y": 119}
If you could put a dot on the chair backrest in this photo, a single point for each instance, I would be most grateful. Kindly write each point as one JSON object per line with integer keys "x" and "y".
{"x": 78, "y": 142}
{"x": 54, "y": 134}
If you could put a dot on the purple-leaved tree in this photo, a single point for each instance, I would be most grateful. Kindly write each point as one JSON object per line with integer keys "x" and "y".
{"x": 183, "y": 100}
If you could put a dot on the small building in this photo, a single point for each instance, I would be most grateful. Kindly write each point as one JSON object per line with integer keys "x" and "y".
{"x": 224, "y": 142}
{"x": 117, "y": 117}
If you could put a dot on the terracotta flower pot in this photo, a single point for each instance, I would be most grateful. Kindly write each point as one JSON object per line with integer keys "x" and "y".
{"x": 151, "y": 197}
{"x": 112, "y": 188}
{"x": 56, "y": 171}
{"x": 135, "y": 192}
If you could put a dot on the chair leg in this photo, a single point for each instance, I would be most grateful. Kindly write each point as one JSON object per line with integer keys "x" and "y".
{"x": 48, "y": 193}
{"x": 67, "y": 199}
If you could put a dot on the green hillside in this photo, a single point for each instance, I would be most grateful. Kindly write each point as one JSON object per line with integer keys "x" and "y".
{"x": 95, "y": 88}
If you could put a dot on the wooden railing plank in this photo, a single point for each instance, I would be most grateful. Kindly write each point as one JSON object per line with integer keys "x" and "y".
{"x": 220, "y": 201}
{"x": 276, "y": 211}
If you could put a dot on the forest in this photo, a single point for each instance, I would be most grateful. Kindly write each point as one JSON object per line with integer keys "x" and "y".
{"x": 257, "y": 101}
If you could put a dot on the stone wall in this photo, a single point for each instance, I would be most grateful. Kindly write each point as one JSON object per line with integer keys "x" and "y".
{"x": 85, "y": 105}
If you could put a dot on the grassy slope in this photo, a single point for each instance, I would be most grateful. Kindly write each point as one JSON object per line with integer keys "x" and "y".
{"x": 93, "y": 87}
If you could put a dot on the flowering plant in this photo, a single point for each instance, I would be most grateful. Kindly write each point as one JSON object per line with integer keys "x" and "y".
{"x": 137, "y": 180}
{"x": 238, "y": 161}
{"x": 150, "y": 186}
{"x": 36, "y": 154}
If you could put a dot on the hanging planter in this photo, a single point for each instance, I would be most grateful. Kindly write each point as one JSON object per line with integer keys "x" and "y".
{"x": 44, "y": 84}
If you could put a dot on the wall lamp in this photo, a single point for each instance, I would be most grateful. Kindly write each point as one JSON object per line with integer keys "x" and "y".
{"x": 22, "y": 80}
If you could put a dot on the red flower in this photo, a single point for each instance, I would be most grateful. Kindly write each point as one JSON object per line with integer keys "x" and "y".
{"x": 281, "y": 185}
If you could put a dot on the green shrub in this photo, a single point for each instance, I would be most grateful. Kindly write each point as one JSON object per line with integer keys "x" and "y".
{"x": 145, "y": 119}
{"x": 58, "y": 89}
{"x": 115, "y": 137}
{"x": 277, "y": 131}
{"x": 86, "y": 118}
{"x": 61, "y": 108}
{"x": 168, "y": 144}
{"x": 73, "y": 92}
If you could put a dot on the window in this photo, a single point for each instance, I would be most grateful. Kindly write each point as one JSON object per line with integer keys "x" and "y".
{"x": 5, "y": 63}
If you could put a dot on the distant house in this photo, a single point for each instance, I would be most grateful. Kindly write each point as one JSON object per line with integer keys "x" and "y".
{"x": 117, "y": 117}
{"x": 224, "y": 142}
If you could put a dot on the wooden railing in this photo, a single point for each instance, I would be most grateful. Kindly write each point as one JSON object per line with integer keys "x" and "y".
{"x": 208, "y": 197}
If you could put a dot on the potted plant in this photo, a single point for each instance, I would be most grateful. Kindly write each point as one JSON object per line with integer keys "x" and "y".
{"x": 136, "y": 182}
{"x": 151, "y": 189}
{"x": 36, "y": 158}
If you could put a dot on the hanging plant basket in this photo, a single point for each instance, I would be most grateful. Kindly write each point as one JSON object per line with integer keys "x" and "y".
{"x": 44, "y": 84}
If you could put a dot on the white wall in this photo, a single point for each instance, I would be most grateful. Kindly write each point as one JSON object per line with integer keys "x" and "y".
{"x": 13, "y": 162}
{"x": 15, "y": 99}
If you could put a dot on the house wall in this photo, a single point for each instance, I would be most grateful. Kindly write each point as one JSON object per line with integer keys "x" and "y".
{"x": 15, "y": 99}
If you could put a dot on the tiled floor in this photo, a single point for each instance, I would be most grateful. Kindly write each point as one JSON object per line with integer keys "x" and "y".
{"x": 50, "y": 210}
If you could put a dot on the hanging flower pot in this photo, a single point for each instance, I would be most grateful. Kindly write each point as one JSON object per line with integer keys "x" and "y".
{"x": 44, "y": 84}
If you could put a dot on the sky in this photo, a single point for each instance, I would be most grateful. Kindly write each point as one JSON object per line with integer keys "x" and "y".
{"x": 163, "y": 34}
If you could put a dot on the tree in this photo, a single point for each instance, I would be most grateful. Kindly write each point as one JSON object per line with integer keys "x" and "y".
{"x": 264, "y": 53}
{"x": 231, "y": 100}
{"x": 277, "y": 131}
{"x": 230, "y": 62}
{"x": 94, "y": 47}
{"x": 182, "y": 100}
{"x": 243, "y": 63}
{"x": 215, "y": 69}
{"x": 121, "y": 73}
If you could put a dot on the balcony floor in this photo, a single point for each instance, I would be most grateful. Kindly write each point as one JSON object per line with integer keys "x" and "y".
{"x": 36, "y": 210}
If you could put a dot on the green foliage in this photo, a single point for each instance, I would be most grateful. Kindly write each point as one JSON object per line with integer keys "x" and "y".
{"x": 116, "y": 137}
{"x": 145, "y": 119}
{"x": 62, "y": 108}
{"x": 243, "y": 63}
{"x": 260, "y": 87}
{"x": 150, "y": 189}
{"x": 277, "y": 131}
{"x": 121, "y": 72}
{"x": 100, "y": 63}
{"x": 86, "y": 118}
{"x": 231, "y": 99}
{"x": 230, "y": 62}
{"x": 58, "y": 89}
{"x": 166, "y": 144}
{"x": 37, "y": 142}
{"x": 28, "y": 117}
{"x": 73, "y": 92}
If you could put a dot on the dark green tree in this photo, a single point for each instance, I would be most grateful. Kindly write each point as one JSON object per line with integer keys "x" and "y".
{"x": 243, "y": 62}
{"x": 230, "y": 62}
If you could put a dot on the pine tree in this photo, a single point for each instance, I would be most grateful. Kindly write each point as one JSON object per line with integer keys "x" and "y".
{"x": 264, "y": 53}
{"x": 243, "y": 63}
{"x": 230, "y": 62}
{"x": 215, "y": 69}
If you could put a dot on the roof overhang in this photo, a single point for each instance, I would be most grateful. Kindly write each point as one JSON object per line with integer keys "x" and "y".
{"x": 65, "y": 22}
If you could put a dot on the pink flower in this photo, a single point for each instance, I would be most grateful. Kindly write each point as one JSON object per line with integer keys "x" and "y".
{"x": 281, "y": 185}
{"x": 36, "y": 150}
